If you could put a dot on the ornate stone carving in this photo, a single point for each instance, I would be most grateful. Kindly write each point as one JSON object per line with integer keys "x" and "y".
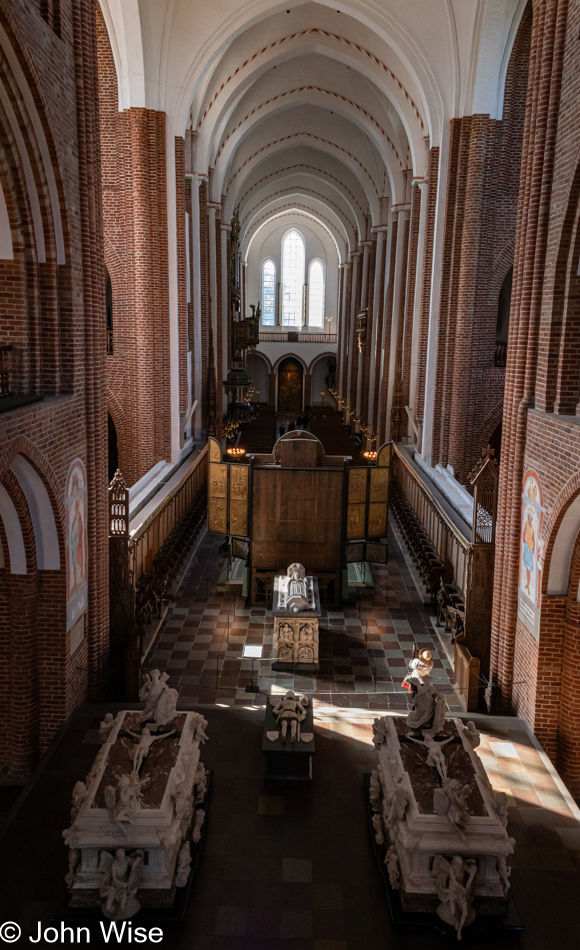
{"x": 455, "y": 881}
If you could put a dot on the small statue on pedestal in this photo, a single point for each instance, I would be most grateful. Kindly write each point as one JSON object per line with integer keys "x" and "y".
{"x": 120, "y": 882}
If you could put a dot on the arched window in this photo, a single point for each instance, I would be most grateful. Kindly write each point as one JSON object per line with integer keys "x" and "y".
{"x": 269, "y": 293}
{"x": 109, "y": 306}
{"x": 293, "y": 258}
{"x": 316, "y": 294}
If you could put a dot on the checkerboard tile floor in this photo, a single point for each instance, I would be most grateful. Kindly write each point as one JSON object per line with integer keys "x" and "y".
{"x": 364, "y": 649}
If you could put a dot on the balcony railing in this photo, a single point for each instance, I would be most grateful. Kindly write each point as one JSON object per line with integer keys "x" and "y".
{"x": 295, "y": 336}
{"x": 152, "y": 534}
{"x": 453, "y": 548}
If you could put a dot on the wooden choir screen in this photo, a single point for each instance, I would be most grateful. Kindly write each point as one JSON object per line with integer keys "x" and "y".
{"x": 297, "y": 515}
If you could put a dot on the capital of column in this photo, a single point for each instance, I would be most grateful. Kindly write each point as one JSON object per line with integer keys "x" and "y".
{"x": 380, "y": 229}
{"x": 366, "y": 243}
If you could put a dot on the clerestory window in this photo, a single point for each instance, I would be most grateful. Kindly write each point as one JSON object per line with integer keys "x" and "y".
{"x": 293, "y": 260}
{"x": 269, "y": 293}
{"x": 316, "y": 294}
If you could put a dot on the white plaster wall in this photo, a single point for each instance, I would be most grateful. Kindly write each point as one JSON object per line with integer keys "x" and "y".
{"x": 318, "y": 244}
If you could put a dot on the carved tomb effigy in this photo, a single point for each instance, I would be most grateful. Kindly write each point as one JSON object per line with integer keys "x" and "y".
{"x": 296, "y": 610}
{"x": 442, "y": 824}
{"x": 140, "y": 809}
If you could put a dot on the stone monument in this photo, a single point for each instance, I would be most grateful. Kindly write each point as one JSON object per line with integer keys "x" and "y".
{"x": 141, "y": 805}
{"x": 433, "y": 808}
{"x": 296, "y": 610}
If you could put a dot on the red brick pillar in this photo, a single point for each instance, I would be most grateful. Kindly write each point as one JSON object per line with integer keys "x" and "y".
{"x": 426, "y": 279}
{"x": 378, "y": 327}
{"x": 410, "y": 301}
{"x": 184, "y": 395}
{"x": 363, "y": 301}
{"x": 538, "y": 154}
{"x": 384, "y": 426}
{"x": 24, "y": 672}
{"x": 401, "y": 242}
{"x": 92, "y": 288}
{"x": 568, "y": 751}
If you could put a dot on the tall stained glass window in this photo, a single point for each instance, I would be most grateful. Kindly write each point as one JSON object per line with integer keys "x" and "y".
{"x": 293, "y": 257}
{"x": 268, "y": 293}
{"x": 316, "y": 294}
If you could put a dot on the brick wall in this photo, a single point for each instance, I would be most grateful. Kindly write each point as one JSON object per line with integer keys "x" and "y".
{"x": 55, "y": 319}
{"x": 136, "y": 255}
{"x": 478, "y": 245}
{"x": 529, "y": 674}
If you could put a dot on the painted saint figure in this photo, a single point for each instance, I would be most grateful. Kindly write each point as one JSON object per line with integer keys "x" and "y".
{"x": 528, "y": 550}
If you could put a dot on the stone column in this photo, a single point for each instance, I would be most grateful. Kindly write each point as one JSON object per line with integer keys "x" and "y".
{"x": 352, "y": 328}
{"x": 225, "y": 314}
{"x": 376, "y": 320}
{"x": 343, "y": 327}
{"x": 364, "y": 298}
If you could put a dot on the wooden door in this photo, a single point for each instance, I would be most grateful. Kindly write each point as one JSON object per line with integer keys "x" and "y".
{"x": 290, "y": 375}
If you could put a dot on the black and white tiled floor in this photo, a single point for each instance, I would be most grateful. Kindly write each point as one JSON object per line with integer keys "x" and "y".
{"x": 364, "y": 649}
{"x": 292, "y": 868}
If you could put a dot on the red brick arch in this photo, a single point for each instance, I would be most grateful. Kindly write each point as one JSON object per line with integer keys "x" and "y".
{"x": 23, "y": 446}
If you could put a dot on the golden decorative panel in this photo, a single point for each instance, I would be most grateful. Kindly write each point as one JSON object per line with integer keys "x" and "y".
{"x": 357, "y": 485}
{"x": 239, "y": 482}
{"x": 218, "y": 498}
{"x": 379, "y": 484}
{"x": 239, "y": 499}
{"x": 215, "y": 452}
{"x": 355, "y": 521}
{"x": 238, "y": 517}
{"x": 377, "y": 520}
{"x": 384, "y": 456}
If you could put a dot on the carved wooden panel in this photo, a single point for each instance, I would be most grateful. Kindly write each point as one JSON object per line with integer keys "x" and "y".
{"x": 297, "y": 515}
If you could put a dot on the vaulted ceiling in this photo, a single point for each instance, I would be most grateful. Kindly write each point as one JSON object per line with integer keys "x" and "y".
{"x": 309, "y": 105}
